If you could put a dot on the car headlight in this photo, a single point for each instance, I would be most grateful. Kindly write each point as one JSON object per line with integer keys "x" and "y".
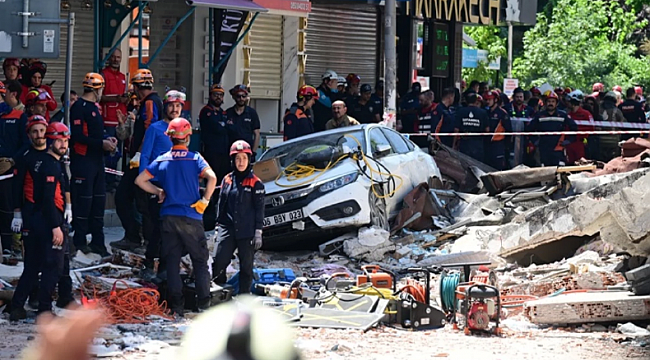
{"x": 338, "y": 182}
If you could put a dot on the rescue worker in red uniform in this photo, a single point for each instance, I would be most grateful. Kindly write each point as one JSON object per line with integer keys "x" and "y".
{"x": 551, "y": 147}
{"x": 43, "y": 215}
{"x": 178, "y": 172}
{"x": 88, "y": 186}
{"x": 499, "y": 144}
{"x": 240, "y": 218}
{"x": 11, "y": 67}
{"x": 298, "y": 119}
{"x": 37, "y": 102}
{"x": 577, "y": 149}
{"x": 13, "y": 142}
{"x": 37, "y": 70}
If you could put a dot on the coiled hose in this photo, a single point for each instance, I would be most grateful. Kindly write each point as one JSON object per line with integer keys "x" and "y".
{"x": 448, "y": 284}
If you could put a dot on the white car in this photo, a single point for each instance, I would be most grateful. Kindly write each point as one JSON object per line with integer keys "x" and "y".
{"x": 314, "y": 207}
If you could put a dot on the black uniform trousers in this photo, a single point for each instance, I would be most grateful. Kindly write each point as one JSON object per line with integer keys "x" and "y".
{"x": 182, "y": 235}
{"x": 221, "y": 166}
{"x": 154, "y": 234}
{"x": 40, "y": 256}
{"x": 125, "y": 199}
{"x": 225, "y": 250}
{"x": 88, "y": 191}
{"x": 6, "y": 212}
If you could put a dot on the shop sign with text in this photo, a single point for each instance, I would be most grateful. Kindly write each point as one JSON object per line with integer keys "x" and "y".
{"x": 483, "y": 12}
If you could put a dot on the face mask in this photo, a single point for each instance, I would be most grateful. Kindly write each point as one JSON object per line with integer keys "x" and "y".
{"x": 334, "y": 91}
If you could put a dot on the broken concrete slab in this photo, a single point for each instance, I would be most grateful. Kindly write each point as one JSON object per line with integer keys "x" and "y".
{"x": 588, "y": 307}
{"x": 371, "y": 245}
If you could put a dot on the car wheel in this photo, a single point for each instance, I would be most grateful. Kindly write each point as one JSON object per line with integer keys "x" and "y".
{"x": 378, "y": 213}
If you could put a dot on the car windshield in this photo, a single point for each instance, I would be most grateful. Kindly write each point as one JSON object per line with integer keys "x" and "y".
{"x": 288, "y": 152}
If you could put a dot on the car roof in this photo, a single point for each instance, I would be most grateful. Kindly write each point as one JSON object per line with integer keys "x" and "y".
{"x": 333, "y": 131}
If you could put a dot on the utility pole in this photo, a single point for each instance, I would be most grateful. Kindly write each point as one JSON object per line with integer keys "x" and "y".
{"x": 509, "y": 50}
{"x": 390, "y": 92}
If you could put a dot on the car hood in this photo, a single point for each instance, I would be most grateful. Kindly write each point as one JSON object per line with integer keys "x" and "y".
{"x": 283, "y": 184}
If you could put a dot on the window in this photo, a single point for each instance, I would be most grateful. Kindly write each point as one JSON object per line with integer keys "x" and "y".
{"x": 397, "y": 141}
{"x": 377, "y": 139}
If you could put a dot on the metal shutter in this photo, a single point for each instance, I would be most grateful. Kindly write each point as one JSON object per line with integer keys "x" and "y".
{"x": 342, "y": 38}
{"x": 82, "y": 54}
{"x": 266, "y": 57}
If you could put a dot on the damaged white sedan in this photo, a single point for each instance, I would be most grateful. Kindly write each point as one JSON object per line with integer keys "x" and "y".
{"x": 338, "y": 180}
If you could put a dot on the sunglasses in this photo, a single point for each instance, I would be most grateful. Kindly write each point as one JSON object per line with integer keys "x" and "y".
{"x": 241, "y": 96}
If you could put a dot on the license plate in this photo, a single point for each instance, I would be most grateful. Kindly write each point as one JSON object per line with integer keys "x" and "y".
{"x": 283, "y": 218}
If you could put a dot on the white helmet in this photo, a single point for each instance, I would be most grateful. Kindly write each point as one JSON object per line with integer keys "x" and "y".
{"x": 329, "y": 74}
{"x": 342, "y": 81}
{"x": 576, "y": 95}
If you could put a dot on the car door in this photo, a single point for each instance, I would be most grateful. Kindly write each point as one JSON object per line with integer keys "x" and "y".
{"x": 419, "y": 164}
{"x": 393, "y": 161}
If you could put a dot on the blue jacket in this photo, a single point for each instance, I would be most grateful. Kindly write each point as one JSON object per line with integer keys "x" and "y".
{"x": 248, "y": 214}
{"x": 155, "y": 143}
{"x": 13, "y": 137}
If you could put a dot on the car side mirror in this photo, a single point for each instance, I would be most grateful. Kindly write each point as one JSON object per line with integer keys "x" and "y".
{"x": 382, "y": 150}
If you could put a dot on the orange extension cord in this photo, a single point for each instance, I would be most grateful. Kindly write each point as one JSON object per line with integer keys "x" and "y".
{"x": 129, "y": 306}
{"x": 415, "y": 289}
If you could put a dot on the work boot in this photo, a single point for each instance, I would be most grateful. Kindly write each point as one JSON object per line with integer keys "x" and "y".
{"x": 125, "y": 244}
{"x": 203, "y": 305}
{"x": 18, "y": 314}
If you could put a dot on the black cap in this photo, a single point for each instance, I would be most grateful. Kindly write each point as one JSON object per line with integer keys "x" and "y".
{"x": 416, "y": 86}
{"x": 366, "y": 88}
{"x": 380, "y": 84}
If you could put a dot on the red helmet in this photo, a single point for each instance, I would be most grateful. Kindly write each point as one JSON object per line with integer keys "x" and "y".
{"x": 490, "y": 95}
{"x": 559, "y": 90}
{"x": 535, "y": 91}
{"x": 239, "y": 147}
{"x": 638, "y": 90}
{"x": 11, "y": 62}
{"x": 37, "y": 96}
{"x": 551, "y": 95}
{"x": 57, "y": 130}
{"x": 179, "y": 128}
{"x": 307, "y": 90}
{"x": 617, "y": 88}
{"x": 3, "y": 89}
{"x": 598, "y": 87}
{"x": 239, "y": 89}
{"x": 353, "y": 79}
{"x": 35, "y": 120}
{"x": 173, "y": 96}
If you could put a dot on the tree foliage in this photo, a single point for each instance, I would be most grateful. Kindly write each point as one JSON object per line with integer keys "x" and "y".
{"x": 490, "y": 38}
{"x": 582, "y": 42}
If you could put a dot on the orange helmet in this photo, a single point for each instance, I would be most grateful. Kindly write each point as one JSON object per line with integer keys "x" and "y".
{"x": 57, "y": 130}
{"x": 617, "y": 88}
{"x": 143, "y": 77}
{"x": 93, "y": 81}
{"x": 307, "y": 90}
{"x": 11, "y": 62}
{"x": 551, "y": 95}
{"x": 3, "y": 89}
{"x": 598, "y": 87}
{"x": 173, "y": 96}
{"x": 216, "y": 88}
{"x": 239, "y": 89}
{"x": 240, "y": 146}
{"x": 35, "y": 120}
{"x": 179, "y": 128}
{"x": 37, "y": 96}
{"x": 353, "y": 79}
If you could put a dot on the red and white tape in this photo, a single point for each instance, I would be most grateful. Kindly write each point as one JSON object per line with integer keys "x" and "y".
{"x": 113, "y": 171}
{"x": 600, "y": 123}
{"x": 531, "y": 133}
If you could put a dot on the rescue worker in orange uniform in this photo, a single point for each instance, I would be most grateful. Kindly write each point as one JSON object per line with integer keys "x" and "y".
{"x": 500, "y": 123}
{"x": 240, "y": 218}
{"x": 297, "y": 119}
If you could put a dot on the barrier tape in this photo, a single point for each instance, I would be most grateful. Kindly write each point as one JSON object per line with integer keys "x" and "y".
{"x": 113, "y": 171}
{"x": 8, "y": 176}
{"x": 531, "y": 133}
{"x": 600, "y": 123}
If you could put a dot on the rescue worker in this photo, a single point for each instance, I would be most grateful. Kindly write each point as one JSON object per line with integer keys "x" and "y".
{"x": 340, "y": 117}
{"x": 150, "y": 111}
{"x": 155, "y": 143}
{"x": 499, "y": 144}
{"x": 551, "y": 147}
{"x": 37, "y": 102}
{"x": 639, "y": 92}
{"x": 632, "y": 111}
{"x": 517, "y": 108}
{"x": 327, "y": 94}
{"x": 409, "y": 106}
{"x": 242, "y": 122}
{"x": 12, "y": 96}
{"x": 60, "y": 115}
{"x": 562, "y": 104}
{"x": 471, "y": 119}
{"x": 240, "y": 218}
{"x": 43, "y": 213}
{"x": 577, "y": 149}
{"x": 363, "y": 109}
{"x": 617, "y": 88}
{"x": 177, "y": 172}
{"x": 352, "y": 89}
{"x": 377, "y": 98}
{"x": 596, "y": 89}
{"x": 608, "y": 145}
{"x": 215, "y": 146}
{"x": 88, "y": 187}
{"x": 341, "y": 84}
{"x": 426, "y": 114}
{"x": 443, "y": 119}
{"x": 37, "y": 70}
{"x": 13, "y": 142}
{"x": 297, "y": 119}
{"x": 11, "y": 67}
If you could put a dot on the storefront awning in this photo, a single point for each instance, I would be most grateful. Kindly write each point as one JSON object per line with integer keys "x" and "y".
{"x": 242, "y": 5}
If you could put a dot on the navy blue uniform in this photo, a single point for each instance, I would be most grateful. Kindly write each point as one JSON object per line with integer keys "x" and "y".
{"x": 364, "y": 113}
{"x": 499, "y": 144}
{"x": 42, "y": 211}
{"x": 88, "y": 187}
{"x": 297, "y": 122}
{"x": 472, "y": 119}
{"x": 633, "y": 113}
{"x": 551, "y": 147}
{"x": 240, "y": 213}
{"x": 242, "y": 126}
{"x": 378, "y": 103}
{"x": 523, "y": 111}
{"x": 410, "y": 101}
{"x": 178, "y": 172}
{"x": 443, "y": 121}
{"x": 13, "y": 142}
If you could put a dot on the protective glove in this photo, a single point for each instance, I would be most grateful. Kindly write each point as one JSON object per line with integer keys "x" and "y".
{"x": 17, "y": 222}
{"x": 200, "y": 205}
{"x": 67, "y": 214}
{"x": 257, "y": 239}
{"x": 135, "y": 161}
